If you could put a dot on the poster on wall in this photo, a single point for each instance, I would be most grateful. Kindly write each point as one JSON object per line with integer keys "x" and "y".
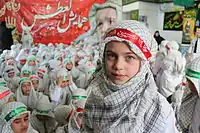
{"x": 173, "y": 21}
{"x": 55, "y": 21}
{"x": 134, "y": 14}
{"x": 188, "y": 25}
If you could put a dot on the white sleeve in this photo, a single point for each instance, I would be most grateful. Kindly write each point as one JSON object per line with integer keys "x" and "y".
{"x": 170, "y": 126}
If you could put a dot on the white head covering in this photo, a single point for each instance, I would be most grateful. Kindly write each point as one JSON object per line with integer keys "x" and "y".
{"x": 63, "y": 114}
{"x": 44, "y": 107}
{"x": 10, "y": 112}
{"x": 193, "y": 73}
{"x": 32, "y": 58}
{"x": 122, "y": 108}
{"x": 31, "y": 100}
{"x": 3, "y": 83}
{"x": 44, "y": 82}
{"x": 6, "y": 71}
{"x": 54, "y": 65}
{"x": 26, "y": 69}
{"x": 5, "y": 94}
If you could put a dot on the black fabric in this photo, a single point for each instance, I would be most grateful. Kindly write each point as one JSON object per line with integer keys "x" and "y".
{"x": 169, "y": 99}
{"x": 158, "y": 38}
{"x": 195, "y": 46}
{"x": 6, "y": 39}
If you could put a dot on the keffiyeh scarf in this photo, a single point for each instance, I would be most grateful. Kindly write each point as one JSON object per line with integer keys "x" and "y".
{"x": 134, "y": 107}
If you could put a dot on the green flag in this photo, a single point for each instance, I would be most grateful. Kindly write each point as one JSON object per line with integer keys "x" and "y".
{"x": 184, "y": 2}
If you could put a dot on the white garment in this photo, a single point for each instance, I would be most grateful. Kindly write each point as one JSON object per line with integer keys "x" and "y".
{"x": 170, "y": 124}
{"x": 168, "y": 83}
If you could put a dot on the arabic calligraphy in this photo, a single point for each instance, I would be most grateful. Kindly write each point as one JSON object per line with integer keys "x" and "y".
{"x": 68, "y": 21}
{"x": 11, "y": 6}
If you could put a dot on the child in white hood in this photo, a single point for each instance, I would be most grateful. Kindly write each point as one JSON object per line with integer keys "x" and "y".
{"x": 26, "y": 71}
{"x": 6, "y": 96}
{"x": 35, "y": 81}
{"x": 11, "y": 78}
{"x": 173, "y": 70}
{"x": 124, "y": 95}
{"x": 189, "y": 118}
{"x": 79, "y": 98}
{"x": 16, "y": 119}
{"x": 32, "y": 62}
{"x": 63, "y": 113}
{"x": 44, "y": 82}
{"x": 42, "y": 117}
{"x": 60, "y": 92}
{"x": 27, "y": 94}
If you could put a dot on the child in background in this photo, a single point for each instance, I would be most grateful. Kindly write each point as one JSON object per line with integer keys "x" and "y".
{"x": 27, "y": 94}
{"x": 42, "y": 117}
{"x": 60, "y": 92}
{"x": 63, "y": 113}
{"x": 35, "y": 81}
{"x": 123, "y": 95}
{"x": 190, "y": 106}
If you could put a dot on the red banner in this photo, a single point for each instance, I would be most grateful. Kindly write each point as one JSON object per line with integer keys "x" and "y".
{"x": 55, "y": 21}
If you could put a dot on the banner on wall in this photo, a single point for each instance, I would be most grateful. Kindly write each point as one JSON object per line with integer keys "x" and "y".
{"x": 134, "y": 14}
{"x": 173, "y": 21}
{"x": 56, "y": 21}
{"x": 189, "y": 25}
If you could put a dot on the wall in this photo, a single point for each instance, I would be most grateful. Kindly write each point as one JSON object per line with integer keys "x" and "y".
{"x": 155, "y": 18}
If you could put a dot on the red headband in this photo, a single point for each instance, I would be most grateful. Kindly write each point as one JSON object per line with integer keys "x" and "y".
{"x": 4, "y": 94}
{"x": 132, "y": 37}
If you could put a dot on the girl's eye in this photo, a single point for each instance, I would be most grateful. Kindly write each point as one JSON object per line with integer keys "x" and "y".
{"x": 111, "y": 57}
{"x": 129, "y": 58}
{"x": 17, "y": 121}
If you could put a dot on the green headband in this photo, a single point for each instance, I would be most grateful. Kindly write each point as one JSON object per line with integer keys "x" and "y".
{"x": 32, "y": 59}
{"x": 15, "y": 113}
{"x": 2, "y": 83}
{"x": 22, "y": 80}
{"x": 79, "y": 97}
{"x": 193, "y": 74}
{"x": 92, "y": 71}
{"x": 65, "y": 78}
{"x": 44, "y": 112}
{"x": 26, "y": 71}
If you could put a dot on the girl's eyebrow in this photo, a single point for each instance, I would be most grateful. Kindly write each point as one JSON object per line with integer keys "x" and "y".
{"x": 128, "y": 53}
{"x": 109, "y": 51}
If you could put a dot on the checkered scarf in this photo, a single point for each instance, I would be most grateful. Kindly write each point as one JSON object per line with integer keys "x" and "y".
{"x": 6, "y": 127}
{"x": 132, "y": 107}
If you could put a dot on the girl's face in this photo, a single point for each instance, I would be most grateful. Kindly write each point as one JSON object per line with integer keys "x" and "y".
{"x": 40, "y": 75}
{"x": 26, "y": 88}
{"x": 120, "y": 62}
{"x": 11, "y": 74}
{"x": 35, "y": 83}
{"x": 20, "y": 124}
{"x": 64, "y": 83}
{"x": 27, "y": 75}
{"x": 60, "y": 59}
{"x": 32, "y": 63}
{"x": 69, "y": 66}
{"x": 105, "y": 18}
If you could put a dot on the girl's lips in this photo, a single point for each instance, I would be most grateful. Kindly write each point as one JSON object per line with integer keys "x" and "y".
{"x": 118, "y": 76}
